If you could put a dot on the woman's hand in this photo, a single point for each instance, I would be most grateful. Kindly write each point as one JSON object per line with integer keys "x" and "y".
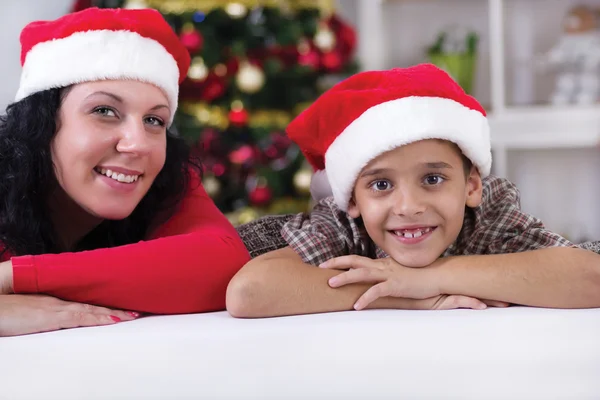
{"x": 25, "y": 314}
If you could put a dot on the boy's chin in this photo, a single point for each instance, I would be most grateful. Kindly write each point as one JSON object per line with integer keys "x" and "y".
{"x": 416, "y": 261}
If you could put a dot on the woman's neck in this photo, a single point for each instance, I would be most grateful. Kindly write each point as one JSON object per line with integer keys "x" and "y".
{"x": 71, "y": 222}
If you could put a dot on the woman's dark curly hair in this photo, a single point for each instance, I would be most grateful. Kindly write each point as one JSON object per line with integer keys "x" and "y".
{"x": 27, "y": 179}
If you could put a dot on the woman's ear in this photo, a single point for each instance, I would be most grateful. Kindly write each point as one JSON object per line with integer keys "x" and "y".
{"x": 474, "y": 188}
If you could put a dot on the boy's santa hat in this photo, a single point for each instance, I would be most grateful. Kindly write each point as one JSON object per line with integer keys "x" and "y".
{"x": 98, "y": 44}
{"x": 376, "y": 111}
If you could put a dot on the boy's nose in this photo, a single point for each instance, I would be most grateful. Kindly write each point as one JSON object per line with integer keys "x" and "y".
{"x": 408, "y": 203}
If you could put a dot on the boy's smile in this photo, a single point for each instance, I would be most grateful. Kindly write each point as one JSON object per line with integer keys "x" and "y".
{"x": 412, "y": 200}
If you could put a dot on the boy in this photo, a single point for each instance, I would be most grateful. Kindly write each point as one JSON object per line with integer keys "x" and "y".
{"x": 406, "y": 155}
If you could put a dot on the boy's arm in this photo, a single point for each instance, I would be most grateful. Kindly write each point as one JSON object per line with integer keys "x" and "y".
{"x": 279, "y": 283}
{"x": 557, "y": 277}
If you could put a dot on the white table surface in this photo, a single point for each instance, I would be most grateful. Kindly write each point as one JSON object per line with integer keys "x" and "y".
{"x": 514, "y": 353}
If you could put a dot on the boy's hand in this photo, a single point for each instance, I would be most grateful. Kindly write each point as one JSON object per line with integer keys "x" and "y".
{"x": 390, "y": 278}
{"x": 393, "y": 279}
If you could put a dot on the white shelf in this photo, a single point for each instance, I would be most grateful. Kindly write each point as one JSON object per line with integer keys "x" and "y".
{"x": 545, "y": 127}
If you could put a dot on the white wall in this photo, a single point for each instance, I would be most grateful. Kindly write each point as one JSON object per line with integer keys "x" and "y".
{"x": 13, "y": 18}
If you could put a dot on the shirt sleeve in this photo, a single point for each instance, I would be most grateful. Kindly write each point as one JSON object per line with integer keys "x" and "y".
{"x": 501, "y": 226}
{"x": 591, "y": 246}
{"x": 324, "y": 233}
{"x": 183, "y": 268}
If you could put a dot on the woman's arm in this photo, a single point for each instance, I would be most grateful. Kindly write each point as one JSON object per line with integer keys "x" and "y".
{"x": 184, "y": 268}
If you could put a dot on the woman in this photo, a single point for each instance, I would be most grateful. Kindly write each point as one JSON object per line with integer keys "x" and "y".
{"x": 100, "y": 203}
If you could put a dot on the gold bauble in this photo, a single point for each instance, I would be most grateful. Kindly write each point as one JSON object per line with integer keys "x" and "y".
{"x": 136, "y": 4}
{"x": 325, "y": 39}
{"x": 198, "y": 70}
{"x": 250, "y": 78}
{"x": 247, "y": 214}
{"x": 236, "y": 10}
{"x": 211, "y": 185}
{"x": 302, "y": 180}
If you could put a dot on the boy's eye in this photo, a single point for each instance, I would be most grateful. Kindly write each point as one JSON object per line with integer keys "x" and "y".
{"x": 381, "y": 185}
{"x": 433, "y": 179}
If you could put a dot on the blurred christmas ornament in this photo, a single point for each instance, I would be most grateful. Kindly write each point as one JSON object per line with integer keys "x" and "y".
{"x": 238, "y": 116}
{"x": 211, "y": 185}
{"x": 332, "y": 61}
{"x": 198, "y": 70}
{"x": 236, "y": 10}
{"x": 324, "y": 38}
{"x": 136, "y": 4}
{"x": 213, "y": 88}
{"x": 250, "y": 78}
{"x": 221, "y": 70}
{"x": 243, "y": 155}
{"x": 245, "y": 215}
{"x": 302, "y": 181}
{"x": 191, "y": 38}
{"x": 311, "y": 59}
{"x": 80, "y": 5}
{"x": 260, "y": 196}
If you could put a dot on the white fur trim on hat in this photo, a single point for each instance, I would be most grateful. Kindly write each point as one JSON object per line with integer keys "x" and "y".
{"x": 398, "y": 122}
{"x": 319, "y": 186}
{"x": 98, "y": 55}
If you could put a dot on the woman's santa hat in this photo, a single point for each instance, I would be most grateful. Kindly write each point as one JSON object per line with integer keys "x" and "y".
{"x": 99, "y": 44}
{"x": 376, "y": 111}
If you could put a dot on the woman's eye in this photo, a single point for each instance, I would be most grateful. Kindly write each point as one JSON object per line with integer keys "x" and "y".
{"x": 434, "y": 180}
{"x": 380, "y": 185}
{"x": 155, "y": 121}
{"x": 105, "y": 112}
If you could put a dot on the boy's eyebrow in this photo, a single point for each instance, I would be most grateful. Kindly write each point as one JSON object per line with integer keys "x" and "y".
{"x": 438, "y": 165}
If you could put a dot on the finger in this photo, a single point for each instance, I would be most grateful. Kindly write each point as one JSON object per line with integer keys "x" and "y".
{"x": 375, "y": 292}
{"x": 74, "y": 319}
{"x": 91, "y": 309}
{"x": 364, "y": 275}
{"x": 455, "y": 301}
{"x": 496, "y": 303}
{"x": 345, "y": 262}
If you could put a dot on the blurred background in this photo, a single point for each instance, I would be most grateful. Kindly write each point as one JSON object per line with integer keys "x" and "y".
{"x": 534, "y": 65}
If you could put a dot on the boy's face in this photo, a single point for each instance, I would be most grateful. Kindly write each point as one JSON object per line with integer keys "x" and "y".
{"x": 412, "y": 200}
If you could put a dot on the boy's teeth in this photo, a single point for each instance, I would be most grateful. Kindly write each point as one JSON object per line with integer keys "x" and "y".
{"x": 118, "y": 177}
{"x": 412, "y": 233}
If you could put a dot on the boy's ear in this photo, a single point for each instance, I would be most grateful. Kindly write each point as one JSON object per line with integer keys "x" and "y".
{"x": 353, "y": 210}
{"x": 474, "y": 188}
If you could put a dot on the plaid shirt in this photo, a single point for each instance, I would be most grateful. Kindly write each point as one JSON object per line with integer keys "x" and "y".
{"x": 496, "y": 226}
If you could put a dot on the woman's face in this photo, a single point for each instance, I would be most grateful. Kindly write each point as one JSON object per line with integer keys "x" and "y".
{"x": 110, "y": 145}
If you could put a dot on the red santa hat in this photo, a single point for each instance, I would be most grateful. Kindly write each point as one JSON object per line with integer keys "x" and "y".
{"x": 97, "y": 44}
{"x": 376, "y": 111}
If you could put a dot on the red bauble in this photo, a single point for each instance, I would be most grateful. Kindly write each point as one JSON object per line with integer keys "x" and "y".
{"x": 310, "y": 59}
{"x": 260, "y": 196}
{"x": 192, "y": 40}
{"x": 332, "y": 61}
{"x": 243, "y": 155}
{"x": 80, "y": 5}
{"x": 213, "y": 88}
{"x": 238, "y": 117}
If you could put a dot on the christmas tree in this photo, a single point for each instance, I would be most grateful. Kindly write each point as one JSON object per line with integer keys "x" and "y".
{"x": 256, "y": 64}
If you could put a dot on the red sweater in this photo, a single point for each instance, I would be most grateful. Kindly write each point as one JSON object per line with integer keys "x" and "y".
{"x": 183, "y": 268}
